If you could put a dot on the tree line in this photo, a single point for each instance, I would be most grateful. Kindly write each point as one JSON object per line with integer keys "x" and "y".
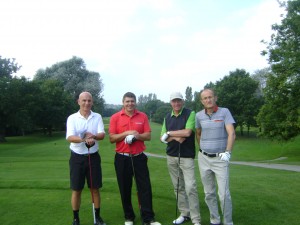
{"x": 269, "y": 98}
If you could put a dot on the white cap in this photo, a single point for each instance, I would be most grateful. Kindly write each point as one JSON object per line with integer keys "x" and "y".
{"x": 176, "y": 95}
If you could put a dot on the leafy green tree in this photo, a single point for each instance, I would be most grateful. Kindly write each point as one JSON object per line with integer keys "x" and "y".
{"x": 75, "y": 78}
{"x": 151, "y": 107}
{"x": 8, "y": 67}
{"x": 54, "y": 106}
{"x": 142, "y": 100}
{"x": 197, "y": 105}
{"x": 236, "y": 91}
{"x": 161, "y": 112}
{"x": 188, "y": 97}
{"x": 279, "y": 117}
{"x": 18, "y": 96}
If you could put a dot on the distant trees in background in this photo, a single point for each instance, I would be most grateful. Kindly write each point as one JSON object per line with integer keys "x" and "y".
{"x": 268, "y": 99}
{"x": 46, "y": 101}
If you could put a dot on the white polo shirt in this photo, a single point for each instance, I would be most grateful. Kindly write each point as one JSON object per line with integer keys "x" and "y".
{"x": 78, "y": 125}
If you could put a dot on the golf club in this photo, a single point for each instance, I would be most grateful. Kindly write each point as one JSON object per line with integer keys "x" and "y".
{"x": 136, "y": 187}
{"x": 91, "y": 180}
{"x": 176, "y": 206}
{"x": 224, "y": 203}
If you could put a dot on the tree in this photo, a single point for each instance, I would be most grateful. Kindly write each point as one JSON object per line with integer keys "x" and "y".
{"x": 54, "y": 105}
{"x": 75, "y": 78}
{"x": 188, "y": 97}
{"x": 279, "y": 117}
{"x": 236, "y": 91}
{"x": 18, "y": 100}
{"x": 161, "y": 112}
{"x": 142, "y": 100}
{"x": 8, "y": 67}
{"x": 261, "y": 77}
{"x": 151, "y": 107}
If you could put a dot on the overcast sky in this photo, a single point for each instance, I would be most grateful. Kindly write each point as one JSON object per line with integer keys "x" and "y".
{"x": 142, "y": 46}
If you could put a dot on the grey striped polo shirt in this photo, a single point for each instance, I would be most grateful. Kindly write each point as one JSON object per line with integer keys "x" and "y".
{"x": 213, "y": 132}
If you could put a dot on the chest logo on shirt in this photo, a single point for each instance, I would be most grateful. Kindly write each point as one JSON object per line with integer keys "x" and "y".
{"x": 218, "y": 120}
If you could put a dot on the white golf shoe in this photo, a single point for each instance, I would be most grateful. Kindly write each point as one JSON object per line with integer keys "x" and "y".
{"x": 128, "y": 222}
{"x": 155, "y": 223}
{"x": 181, "y": 220}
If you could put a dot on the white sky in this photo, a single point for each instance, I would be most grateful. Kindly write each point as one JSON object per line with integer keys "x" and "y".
{"x": 142, "y": 46}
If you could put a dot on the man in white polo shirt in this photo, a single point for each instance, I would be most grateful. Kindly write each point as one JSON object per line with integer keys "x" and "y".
{"x": 85, "y": 127}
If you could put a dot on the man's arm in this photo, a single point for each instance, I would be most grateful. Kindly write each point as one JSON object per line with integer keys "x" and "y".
{"x": 231, "y": 136}
{"x": 189, "y": 127}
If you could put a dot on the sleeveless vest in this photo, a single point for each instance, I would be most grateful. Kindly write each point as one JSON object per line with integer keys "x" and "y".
{"x": 187, "y": 148}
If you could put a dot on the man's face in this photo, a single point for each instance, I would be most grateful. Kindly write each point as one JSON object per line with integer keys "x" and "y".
{"x": 208, "y": 99}
{"x": 129, "y": 104}
{"x": 85, "y": 102}
{"x": 177, "y": 104}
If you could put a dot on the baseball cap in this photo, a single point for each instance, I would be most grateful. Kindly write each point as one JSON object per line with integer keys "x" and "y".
{"x": 176, "y": 95}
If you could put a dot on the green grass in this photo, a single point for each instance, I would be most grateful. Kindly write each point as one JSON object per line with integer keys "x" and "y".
{"x": 34, "y": 183}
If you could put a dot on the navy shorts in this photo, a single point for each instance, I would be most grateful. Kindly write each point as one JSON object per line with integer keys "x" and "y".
{"x": 80, "y": 171}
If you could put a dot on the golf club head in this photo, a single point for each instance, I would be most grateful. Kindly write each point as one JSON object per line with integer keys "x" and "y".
{"x": 89, "y": 146}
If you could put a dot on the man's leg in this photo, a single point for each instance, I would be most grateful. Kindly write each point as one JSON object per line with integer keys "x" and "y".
{"x": 209, "y": 185}
{"x": 183, "y": 205}
{"x": 188, "y": 168}
{"x": 124, "y": 178}
{"x": 144, "y": 187}
{"x": 75, "y": 203}
{"x": 222, "y": 175}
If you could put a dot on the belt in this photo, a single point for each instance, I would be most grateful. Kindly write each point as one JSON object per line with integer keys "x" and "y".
{"x": 83, "y": 154}
{"x": 128, "y": 154}
{"x": 208, "y": 154}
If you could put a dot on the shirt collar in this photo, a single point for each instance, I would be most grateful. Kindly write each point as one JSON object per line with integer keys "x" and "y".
{"x": 173, "y": 114}
{"x": 214, "y": 110}
{"x": 81, "y": 116}
{"x": 134, "y": 112}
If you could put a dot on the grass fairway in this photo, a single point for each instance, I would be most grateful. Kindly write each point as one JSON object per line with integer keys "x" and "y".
{"x": 34, "y": 184}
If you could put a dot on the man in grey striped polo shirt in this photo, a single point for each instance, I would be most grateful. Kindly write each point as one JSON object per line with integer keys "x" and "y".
{"x": 215, "y": 134}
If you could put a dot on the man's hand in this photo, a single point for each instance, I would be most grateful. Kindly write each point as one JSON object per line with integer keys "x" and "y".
{"x": 164, "y": 138}
{"x": 129, "y": 139}
{"x": 225, "y": 156}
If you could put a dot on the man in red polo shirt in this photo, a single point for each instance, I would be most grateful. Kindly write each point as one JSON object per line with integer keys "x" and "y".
{"x": 129, "y": 128}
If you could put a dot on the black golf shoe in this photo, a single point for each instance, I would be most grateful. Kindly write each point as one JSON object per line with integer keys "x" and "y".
{"x": 99, "y": 221}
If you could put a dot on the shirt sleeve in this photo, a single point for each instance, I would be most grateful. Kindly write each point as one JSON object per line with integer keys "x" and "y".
{"x": 190, "y": 124}
{"x": 112, "y": 125}
{"x": 100, "y": 128}
{"x": 70, "y": 127}
{"x": 163, "y": 129}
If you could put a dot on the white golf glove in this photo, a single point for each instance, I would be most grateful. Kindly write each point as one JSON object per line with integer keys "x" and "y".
{"x": 129, "y": 139}
{"x": 164, "y": 138}
{"x": 225, "y": 156}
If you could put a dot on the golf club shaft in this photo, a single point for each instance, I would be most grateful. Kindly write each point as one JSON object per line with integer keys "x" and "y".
{"x": 178, "y": 169}
{"x": 91, "y": 185}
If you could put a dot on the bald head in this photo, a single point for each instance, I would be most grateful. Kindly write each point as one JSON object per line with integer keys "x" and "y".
{"x": 85, "y": 94}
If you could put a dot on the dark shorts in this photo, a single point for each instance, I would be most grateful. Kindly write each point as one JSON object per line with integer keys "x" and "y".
{"x": 80, "y": 171}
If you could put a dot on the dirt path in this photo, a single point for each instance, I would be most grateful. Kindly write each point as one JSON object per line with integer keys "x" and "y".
{"x": 265, "y": 164}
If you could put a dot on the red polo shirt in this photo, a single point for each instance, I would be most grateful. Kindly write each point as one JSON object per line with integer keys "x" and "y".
{"x": 120, "y": 122}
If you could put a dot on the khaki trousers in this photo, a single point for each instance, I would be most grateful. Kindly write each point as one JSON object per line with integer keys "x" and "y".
{"x": 188, "y": 200}
{"x": 215, "y": 171}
